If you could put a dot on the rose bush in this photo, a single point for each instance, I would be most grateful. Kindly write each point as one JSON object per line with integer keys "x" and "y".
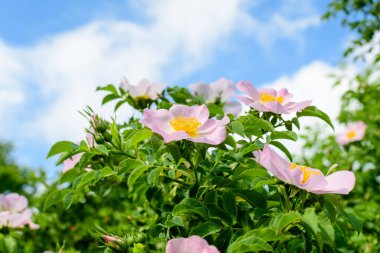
{"x": 194, "y": 170}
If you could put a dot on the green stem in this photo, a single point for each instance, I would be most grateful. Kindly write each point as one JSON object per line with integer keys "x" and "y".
{"x": 287, "y": 203}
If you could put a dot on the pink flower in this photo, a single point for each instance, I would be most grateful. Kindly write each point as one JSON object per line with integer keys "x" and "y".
{"x": 14, "y": 212}
{"x": 143, "y": 90}
{"x": 70, "y": 163}
{"x": 193, "y": 244}
{"x": 309, "y": 179}
{"x": 186, "y": 122}
{"x": 220, "y": 89}
{"x": 269, "y": 100}
{"x": 354, "y": 132}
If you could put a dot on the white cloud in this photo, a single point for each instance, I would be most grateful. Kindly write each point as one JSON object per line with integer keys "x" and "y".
{"x": 69, "y": 66}
{"x": 44, "y": 85}
{"x": 293, "y": 18}
{"x": 10, "y": 84}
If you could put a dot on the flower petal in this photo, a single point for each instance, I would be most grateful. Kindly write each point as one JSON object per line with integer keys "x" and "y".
{"x": 223, "y": 88}
{"x": 204, "y": 90}
{"x": 193, "y": 244}
{"x": 245, "y": 100}
{"x": 340, "y": 182}
{"x": 200, "y": 112}
{"x": 248, "y": 88}
{"x": 70, "y": 163}
{"x": 157, "y": 120}
{"x": 276, "y": 107}
{"x": 232, "y": 107}
{"x": 276, "y": 165}
{"x": 292, "y": 106}
{"x": 269, "y": 91}
{"x": 284, "y": 93}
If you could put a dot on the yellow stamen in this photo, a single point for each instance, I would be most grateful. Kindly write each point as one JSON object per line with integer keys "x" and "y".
{"x": 307, "y": 172}
{"x": 265, "y": 98}
{"x": 143, "y": 97}
{"x": 351, "y": 134}
{"x": 189, "y": 125}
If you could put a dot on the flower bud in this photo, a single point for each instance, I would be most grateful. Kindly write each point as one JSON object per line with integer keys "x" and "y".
{"x": 99, "y": 139}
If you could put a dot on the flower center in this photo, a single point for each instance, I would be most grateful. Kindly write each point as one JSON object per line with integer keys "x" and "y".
{"x": 188, "y": 125}
{"x": 265, "y": 98}
{"x": 143, "y": 97}
{"x": 307, "y": 172}
{"x": 351, "y": 134}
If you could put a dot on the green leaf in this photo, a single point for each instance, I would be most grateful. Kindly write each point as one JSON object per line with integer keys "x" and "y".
{"x": 110, "y": 87}
{"x": 223, "y": 239}
{"x": 281, "y": 147}
{"x": 267, "y": 234}
{"x": 53, "y": 198}
{"x": 354, "y": 220}
{"x": 84, "y": 179}
{"x": 205, "y": 229}
{"x": 157, "y": 145}
{"x": 109, "y": 98}
{"x": 9, "y": 244}
{"x": 330, "y": 207}
{"x": 141, "y": 135}
{"x": 190, "y": 206}
{"x": 289, "y": 135}
{"x": 69, "y": 198}
{"x": 248, "y": 149}
{"x": 311, "y": 219}
{"x": 101, "y": 149}
{"x": 70, "y": 175}
{"x": 229, "y": 202}
{"x": 282, "y": 220}
{"x": 230, "y": 141}
{"x": 106, "y": 172}
{"x": 118, "y": 104}
{"x": 327, "y": 230}
{"x": 237, "y": 127}
{"x": 174, "y": 221}
{"x": 135, "y": 174}
{"x": 115, "y": 135}
{"x": 253, "y": 197}
{"x": 249, "y": 244}
{"x": 251, "y": 174}
{"x": 174, "y": 151}
{"x": 313, "y": 111}
{"x": 138, "y": 248}
{"x": 128, "y": 165}
{"x": 214, "y": 211}
{"x": 263, "y": 124}
{"x": 62, "y": 146}
{"x": 215, "y": 110}
{"x": 154, "y": 175}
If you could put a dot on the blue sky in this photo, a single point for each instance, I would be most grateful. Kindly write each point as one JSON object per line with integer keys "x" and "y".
{"x": 54, "y": 54}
